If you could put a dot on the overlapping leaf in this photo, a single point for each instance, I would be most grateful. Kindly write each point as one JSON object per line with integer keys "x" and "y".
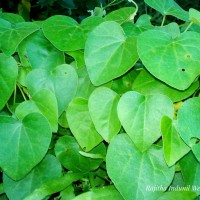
{"x": 23, "y": 143}
{"x": 141, "y": 116}
{"x": 109, "y": 53}
{"x": 134, "y": 172}
{"x": 174, "y": 61}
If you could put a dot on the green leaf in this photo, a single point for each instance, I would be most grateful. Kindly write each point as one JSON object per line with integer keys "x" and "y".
{"x": 194, "y": 16}
{"x": 108, "y": 192}
{"x": 78, "y": 57}
{"x": 81, "y": 125}
{"x": 183, "y": 195}
{"x": 20, "y": 143}
{"x": 173, "y": 61}
{"x": 103, "y": 111}
{"x": 48, "y": 169}
{"x": 141, "y": 116}
{"x": 174, "y": 147}
{"x": 190, "y": 169}
{"x": 67, "y": 151}
{"x": 44, "y": 102}
{"x": 36, "y": 51}
{"x": 188, "y": 123}
{"x": 11, "y": 17}
{"x": 133, "y": 172}
{"x": 8, "y": 76}
{"x": 11, "y": 34}
{"x": 64, "y": 33}
{"x": 54, "y": 186}
{"x": 168, "y": 7}
{"x": 109, "y": 53}
{"x": 62, "y": 81}
{"x": 147, "y": 84}
{"x": 121, "y": 15}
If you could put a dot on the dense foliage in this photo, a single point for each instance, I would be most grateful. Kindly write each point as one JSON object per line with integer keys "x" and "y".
{"x": 108, "y": 108}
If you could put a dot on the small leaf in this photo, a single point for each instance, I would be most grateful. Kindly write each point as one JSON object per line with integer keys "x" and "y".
{"x": 81, "y": 124}
{"x": 147, "y": 84}
{"x": 174, "y": 147}
{"x": 194, "y": 16}
{"x": 168, "y": 7}
{"x": 8, "y": 77}
{"x": 62, "y": 81}
{"x": 20, "y": 143}
{"x": 121, "y": 15}
{"x": 48, "y": 169}
{"x": 44, "y": 102}
{"x": 161, "y": 55}
{"x": 141, "y": 116}
{"x": 109, "y": 53}
{"x": 103, "y": 111}
{"x": 125, "y": 164}
{"x": 64, "y": 33}
{"x": 67, "y": 151}
{"x": 108, "y": 192}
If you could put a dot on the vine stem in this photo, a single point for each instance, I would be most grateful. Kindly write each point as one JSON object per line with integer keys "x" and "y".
{"x": 22, "y": 93}
{"x": 163, "y": 20}
{"x": 189, "y": 25}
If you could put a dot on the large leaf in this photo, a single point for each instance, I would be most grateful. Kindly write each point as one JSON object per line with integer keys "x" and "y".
{"x": 174, "y": 61}
{"x": 108, "y": 192}
{"x": 23, "y": 143}
{"x": 174, "y": 147}
{"x": 147, "y": 84}
{"x": 8, "y": 76}
{"x": 103, "y": 111}
{"x": 168, "y": 7}
{"x": 48, "y": 169}
{"x": 133, "y": 172}
{"x": 67, "y": 152}
{"x": 64, "y": 33}
{"x": 44, "y": 102}
{"x": 62, "y": 81}
{"x": 109, "y": 53}
{"x": 190, "y": 169}
{"x": 141, "y": 116}
{"x": 12, "y": 34}
{"x": 81, "y": 125}
{"x": 188, "y": 123}
{"x": 36, "y": 51}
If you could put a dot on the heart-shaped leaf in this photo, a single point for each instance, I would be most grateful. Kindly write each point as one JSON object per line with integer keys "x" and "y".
{"x": 36, "y": 51}
{"x": 64, "y": 33}
{"x": 147, "y": 84}
{"x": 109, "y": 53}
{"x": 48, "y": 169}
{"x": 81, "y": 125}
{"x": 173, "y": 145}
{"x": 140, "y": 171}
{"x": 141, "y": 116}
{"x": 44, "y": 102}
{"x": 67, "y": 152}
{"x": 168, "y": 7}
{"x": 62, "y": 81}
{"x": 23, "y": 143}
{"x": 8, "y": 77}
{"x": 174, "y": 61}
{"x": 194, "y": 16}
{"x": 11, "y": 34}
{"x": 103, "y": 111}
{"x": 188, "y": 123}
